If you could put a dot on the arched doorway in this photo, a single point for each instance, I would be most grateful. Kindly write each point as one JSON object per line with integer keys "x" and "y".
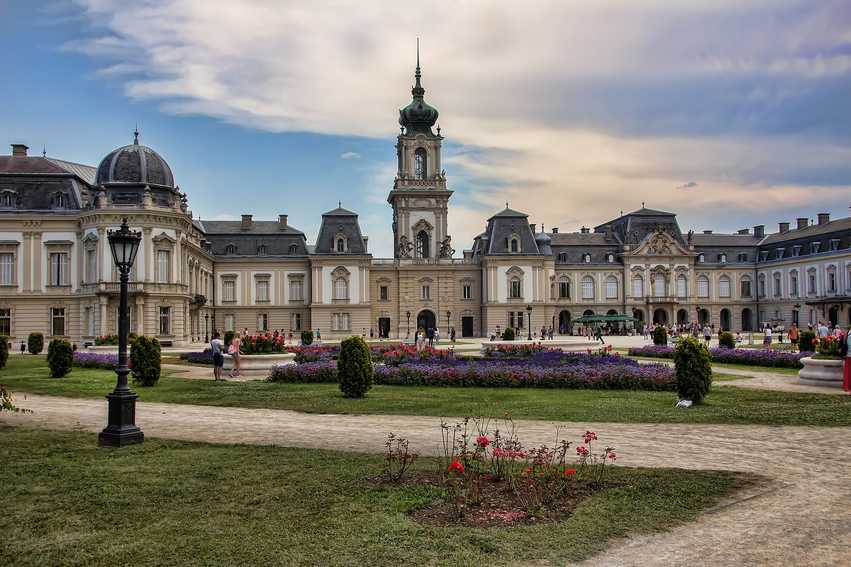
{"x": 638, "y": 314}
{"x": 725, "y": 319}
{"x": 587, "y": 312}
{"x": 747, "y": 319}
{"x": 564, "y": 322}
{"x": 660, "y": 317}
{"x": 426, "y": 320}
{"x": 682, "y": 317}
{"x": 833, "y": 315}
{"x": 703, "y": 316}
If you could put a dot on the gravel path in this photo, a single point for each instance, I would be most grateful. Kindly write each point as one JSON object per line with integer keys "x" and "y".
{"x": 803, "y": 517}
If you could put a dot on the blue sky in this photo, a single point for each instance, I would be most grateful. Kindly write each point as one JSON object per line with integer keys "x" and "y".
{"x": 729, "y": 115}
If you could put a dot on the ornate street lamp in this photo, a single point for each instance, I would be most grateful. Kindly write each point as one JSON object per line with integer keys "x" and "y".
{"x": 121, "y": 426}
{"x": 408, "y": 315}
{"x": 529, "y": 312}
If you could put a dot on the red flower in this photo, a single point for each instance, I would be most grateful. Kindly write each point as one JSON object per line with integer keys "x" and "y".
{"x": 482, "y": 441}
{"x": 582, "y": 451}
{"x": 589, "y": 436}
{"x": 456, "y": 467}
{"x": 569, "y": 472}
{"x": 612, "y": 456}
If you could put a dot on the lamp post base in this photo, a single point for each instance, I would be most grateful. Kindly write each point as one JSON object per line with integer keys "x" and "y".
{"x": 121, "y": 429}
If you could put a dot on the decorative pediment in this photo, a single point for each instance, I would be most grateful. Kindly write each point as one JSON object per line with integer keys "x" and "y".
{"x": 340, "y": 272}
{"x": 422, "y": 224}
{"x": 660, "y": 243}
{"x": 163, "y": 237}
{"x": 515, "y": 271}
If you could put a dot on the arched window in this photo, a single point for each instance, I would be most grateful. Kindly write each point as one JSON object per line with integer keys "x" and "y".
{"x": 564, "y": 288}
{"x": 745, "y": 285}
{"x": 562, "y": 258}
{"x": 586, "y": 258}
{"x": 339, "y": 244}
{"x": 230, "y": 250}
{"x": 514, "y": 244}
{"x": 682, "y": 286}
{"x": 341, "y": 288}
{"x": 7, "y": 199}
{"x": 420, "y": 164}
{"x": 638, "y": 286}
{"x": 261, "y": 250}
{"x": 659, "y": 285}
{"x": 293, "y": 249}
{"x": 422, "y": 249}
{"x": 516, "y": 288}
{"x": 793, "y": 283}
{"x": 761, "y": 285}
{"x": 703, "y": 286}
{"x": 701, "y": 258}
{"x": 610, "y": 258}
{"x": 587, "y": 287}
{"x": 611, "y": 287}
{"x": 59, "y": 201}
{"x": 724, "y": 286}
{"x": 777, "y": 285}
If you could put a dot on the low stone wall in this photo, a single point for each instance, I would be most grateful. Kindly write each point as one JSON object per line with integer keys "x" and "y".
{"x": 821, "y": 372}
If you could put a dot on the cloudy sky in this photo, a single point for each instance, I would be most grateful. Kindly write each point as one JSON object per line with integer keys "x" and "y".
{"x": 729, "y": 113}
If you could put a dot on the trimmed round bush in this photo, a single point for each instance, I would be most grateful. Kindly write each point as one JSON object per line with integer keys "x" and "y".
{"x": 354, "y": 367}
{"x": 35, "y": 343}
{"x": 60, "y": 357}
{"x": 4, "y": 350}
{"x": 694, "y": 369}
{"x": 508, "y": 334}
{"x": 145, "y": 361}
{"x": 726, "y": 339}
{"x": 660, "y": 335}
{"x": 807, "y": 340}
{"x": 307, "y": 338}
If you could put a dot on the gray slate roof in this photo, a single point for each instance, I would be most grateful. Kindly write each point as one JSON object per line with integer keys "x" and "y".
{"x": 85, "y": 172}
{"x": 235, "y": 227}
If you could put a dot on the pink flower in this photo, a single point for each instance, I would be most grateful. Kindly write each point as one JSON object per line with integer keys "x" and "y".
{"x": 582, "y": 451}
{"x": 589, "y": 436}
{"x": 612, "y": 456}
{"x": 483, "y": 441}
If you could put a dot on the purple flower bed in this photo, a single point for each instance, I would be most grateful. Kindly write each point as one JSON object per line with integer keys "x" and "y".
{"x": 84, "y": 359}
{"x": 544, "y": 370}
{"x": 749, "y": 356}
{"x": 205, "y": 357}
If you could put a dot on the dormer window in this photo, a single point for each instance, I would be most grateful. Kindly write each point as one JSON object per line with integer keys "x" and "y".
{"x": 514, "y": 245}
{"x": 8, "y": 199}
{"x": 701, "y": 258}
{"x": 610, "y": 258}
{"x": 262, "y": 250}
{"x": 420, "y": 160}
{"x": 796, "y": 250}
{"x": 743, "y": 257}
{"x": 722, "y": 258}
{"x": 293, "y": 250}
{"x": 586, "y": 258}
{"x": 59, "y": 201}
{"x": 780, "y": 253}
{"x": 834, "y": 244}
{"x": 230, "y": 250}
{"x": 341, "y": 243}
{"x": 562, "y": 258}
{"x": 763, "y": 255}
{"x": 815, "y": 247}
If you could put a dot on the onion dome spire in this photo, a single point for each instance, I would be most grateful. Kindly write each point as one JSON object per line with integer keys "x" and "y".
{"x": 418, "y": 116}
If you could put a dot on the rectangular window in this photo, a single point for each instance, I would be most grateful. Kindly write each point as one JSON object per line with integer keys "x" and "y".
{"x": 467, "y": 291}
{"x": 295, "y": 322}
{"x": 7, "y": 269}
{"x": 703, "y": 287}
{"x": 516, "y": 291}
{"x": 262, "y": 322}
{"x": 90, "y": 321}
{"x": 564, "y": 290}
{"x": 682, "y": 286}
{"x": 659, "y": 285}
{"x": 511, "y": 319}
{"x": 611, "y": 289}
{"x": 384, "y": 293}
{"x": 425, "y": 292}
{"x": 229, "y": 291}
{"x": 340, "y": 322}
{"x": 519, "y": 319}
{"x": 746, "y": 288}
{"x": 6, "y": 322}
{"x": 777, "y": 286}
{"x": 831, "y": 282}
{"x": 262, "y": 291}
{"x": 91, "y": 266}
{"x": 296, "y": 290}
{"x": 163, "y": 266}
{"x": 165, "y": 321}
{"x": 57, "y": 321}
{"x": 58, "y": 264}
{"x": 588, "y": 288}
{"x": 724, "y": 287}
{"x": 811, "y": 283}
{"x": 793, "y": 285}
{"x": 229, "y": 323}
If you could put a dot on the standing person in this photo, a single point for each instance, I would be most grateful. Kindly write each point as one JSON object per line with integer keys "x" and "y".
{"x": 794, "y": 336}
{"x": 430, "y": 336}
{"x": 822, "y": 330}
{"x": 767, "y": 338}
{"x": 707, "y": 334}
{"x": 216, "y": 346}
{"x": 452, "y": 335}
{"x": 598, "y": 334}
{"x": 233, "y": 350}
{"x": 23, "y": 347}
{"x": 318, "y": 336}
{"x": 846, "y": 352}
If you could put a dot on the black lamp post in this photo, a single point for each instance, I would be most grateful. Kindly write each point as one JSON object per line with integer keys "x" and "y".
{"x": 529, "y": 312}
{"x": 121, "y": 426}
{"x": 448, "y": 317}
{"x": 408, "y": 315}
{"x": 206, "y": 327}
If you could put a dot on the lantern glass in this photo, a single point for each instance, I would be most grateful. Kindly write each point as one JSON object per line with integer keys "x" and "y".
{"x": 124, "y": 245}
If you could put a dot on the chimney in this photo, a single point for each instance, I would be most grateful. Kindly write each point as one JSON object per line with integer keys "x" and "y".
{"x": 707, "y": 232}
{"x": 366, "y": 245}
{"x": 823, "y": 218}
{"x": 759, "y": 231}
{"x": 555, "y": 230}
{"x": 744, "y": 231}
{"x": 19, "y": 150}
{"x": 802, "y": 222}
{"x": 246, "y": 222}
{"x": 533, "y": 227}
{"x": 585, "y": 230}
{"x": 784, "y": 227}
{"x": 282, "y": 222}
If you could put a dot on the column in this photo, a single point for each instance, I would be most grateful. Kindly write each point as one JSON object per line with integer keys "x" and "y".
{"x": 140, "y": 316}
{"x": 103, "y": 255}
{"x": 148, "y": 245}
{"x": 178, "y": 258}
{"x": 103, "y": 306}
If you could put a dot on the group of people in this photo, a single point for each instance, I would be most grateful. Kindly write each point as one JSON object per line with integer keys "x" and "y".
{"x": 430, "y": 336}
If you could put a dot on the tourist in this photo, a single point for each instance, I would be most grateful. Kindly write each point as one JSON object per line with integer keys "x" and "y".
{"x": 846, "y": 352}
{"x": 430, "y": 336}
{"x": 766, "y": 339}
{"x": 794, "y": 336}
{"x": 318, "y": 337}
{"x": 598, "y": 334}
{"x": 707, "y": 334}
{"x": 822, "y": 330}
{"x": 437, "y": 335}
{"x": 233, "y": 350}
{"x": 23, "y": 347}
{"x": 452, "y": 335}
{"x": 739, "y": 338}
{"x": 216, "y": 346}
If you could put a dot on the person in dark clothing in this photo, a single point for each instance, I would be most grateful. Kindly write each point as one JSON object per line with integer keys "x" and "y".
{"x": 430, "y": 335}
{"x": 598, "y": 334}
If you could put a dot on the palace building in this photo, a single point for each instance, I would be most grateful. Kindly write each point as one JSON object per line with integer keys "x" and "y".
{"x": 192, "y": 276}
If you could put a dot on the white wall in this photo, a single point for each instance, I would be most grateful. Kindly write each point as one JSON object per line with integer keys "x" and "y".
{"x": 328, "y": 284}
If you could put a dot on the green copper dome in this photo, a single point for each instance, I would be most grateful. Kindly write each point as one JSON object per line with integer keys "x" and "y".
{"x": 418, "y": 116}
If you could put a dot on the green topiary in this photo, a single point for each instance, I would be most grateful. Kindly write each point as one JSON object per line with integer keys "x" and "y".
{"x": 694, "y": 369}
{"x": 508, "y": 334}
{"x": 726, "y": 339}
{"x": 229, "y": 335}
{"x": 60, "y": 355}
{"x": 660, "y": 335}
{"x": 307, "y": 338}
{"x": 4, "y": 350}
{"x": 145, "y": 361}
{"x": 807, "y": 341}
{"x": 35, "y": 343}
{"x": 354, "y": 367}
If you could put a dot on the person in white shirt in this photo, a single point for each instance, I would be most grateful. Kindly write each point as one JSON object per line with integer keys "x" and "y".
{"x": 767, "y": 338}
{"x": 216, "y": 346}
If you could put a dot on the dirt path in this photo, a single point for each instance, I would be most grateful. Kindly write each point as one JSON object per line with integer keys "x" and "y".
{"x": 802, "y": 518}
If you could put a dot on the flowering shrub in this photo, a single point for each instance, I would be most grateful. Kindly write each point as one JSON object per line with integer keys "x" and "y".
{"x": 397, "y": 457}
{"x": 265, "y": 343}
{"x": 829, "y": 346}
{"x": 749, "y": 356}
{"x": 202, "y": 357}
{"x": 95, "y": 360}
{"x": 521, "y": 350}
{"x": 107, "y": 340}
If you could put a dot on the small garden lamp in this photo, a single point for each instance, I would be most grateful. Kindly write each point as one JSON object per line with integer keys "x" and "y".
{"x": 529, "y": 312}
{"x": 448, "y": 317}
{"x": 206, "y": 327}
{"x": 408, "y": 315}
{"x": 121, "y": 426}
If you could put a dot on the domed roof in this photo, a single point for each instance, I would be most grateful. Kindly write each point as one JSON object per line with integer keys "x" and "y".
{"x": 543, "y": 237}
{"x": 134, "y": 164}
{"x": 418, "y": 116}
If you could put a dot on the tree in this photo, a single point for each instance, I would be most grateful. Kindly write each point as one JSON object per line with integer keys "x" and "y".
{"x": 60, "y": 356}
{"x": 145, "y": 361}
{"x": 354, "y": 367}
{"x": 694, "y": 369}
{"x": 35, "y": 343}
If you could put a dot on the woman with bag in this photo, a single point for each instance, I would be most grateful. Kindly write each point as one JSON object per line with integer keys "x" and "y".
{"x": 233, "y": 350}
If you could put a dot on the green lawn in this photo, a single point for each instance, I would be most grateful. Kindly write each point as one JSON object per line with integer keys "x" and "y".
{"x": 67, "y": 502}
{"x": 724, "y": 404}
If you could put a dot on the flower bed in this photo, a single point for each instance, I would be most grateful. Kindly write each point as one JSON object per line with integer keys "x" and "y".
{"x": 749, "y": 356}
{"x": 83, "y": 359}
{"x": 545, "y": 370}
{"x": 203, "y": 357}
{"x": 829, "y": 346}
{"x": 515, "y": 351}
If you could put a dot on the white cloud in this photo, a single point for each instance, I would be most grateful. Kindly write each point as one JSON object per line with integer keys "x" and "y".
{"x": 518, "y": 85}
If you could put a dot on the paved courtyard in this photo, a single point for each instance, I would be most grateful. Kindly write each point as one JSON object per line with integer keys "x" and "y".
{"x": 800, "y": 516}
